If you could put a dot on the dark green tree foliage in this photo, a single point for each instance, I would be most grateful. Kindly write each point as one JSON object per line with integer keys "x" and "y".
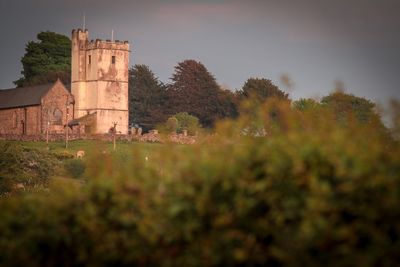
{"x": 228, "y": 103}
{"x": 347, "y": 105}
{"x": 395, "y": 118}
{"x": 261, "y": 89}
{"x": 46, "y": 60}
{"x": 147, "y": 97}
{"x": 195, "y": 90}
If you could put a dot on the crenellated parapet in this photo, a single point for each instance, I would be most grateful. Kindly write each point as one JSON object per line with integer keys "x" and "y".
{"x": 83, "y": 37}
{"x": 108, "y": 44}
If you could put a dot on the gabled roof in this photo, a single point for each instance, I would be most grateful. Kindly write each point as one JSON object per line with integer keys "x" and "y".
{"x": 23, "y": 96}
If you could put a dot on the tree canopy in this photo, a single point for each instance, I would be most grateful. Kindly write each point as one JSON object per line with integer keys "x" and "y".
{"x": 305, "y": 104}
{"x": 147, "y": 96}
{"x": 187, "y": 122}
{"x": 195, "y": 90}
{"x": 46, "y": 60}
{"x": 261, "y": 89}
{"x": 345, "y": 105}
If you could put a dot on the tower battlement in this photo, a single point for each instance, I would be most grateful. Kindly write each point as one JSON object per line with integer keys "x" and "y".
{"x": 83, "y": 35}
{"x": 108, "y": 44}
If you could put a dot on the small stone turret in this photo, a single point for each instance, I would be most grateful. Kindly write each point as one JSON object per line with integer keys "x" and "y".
{"x": 99, "y": 81}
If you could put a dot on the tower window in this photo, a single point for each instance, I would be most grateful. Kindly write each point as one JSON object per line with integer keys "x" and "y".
{"x": 113, "y": 59}
{"x": 90, "y": 59}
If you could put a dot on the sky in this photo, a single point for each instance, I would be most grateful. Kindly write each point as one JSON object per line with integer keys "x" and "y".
{"x": 315, "y": 43}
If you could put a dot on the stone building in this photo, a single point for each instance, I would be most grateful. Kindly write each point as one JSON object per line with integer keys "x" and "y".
{"x": 99, "y": 81}
{"x": 36, "y": 109}
{"x": 98, "y": 98}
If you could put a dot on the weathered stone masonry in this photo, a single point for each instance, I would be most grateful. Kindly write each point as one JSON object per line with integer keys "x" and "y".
{"x": 99, "y": 81}
{"x": 99, "y": 99}
{"x": 30, "y": 110}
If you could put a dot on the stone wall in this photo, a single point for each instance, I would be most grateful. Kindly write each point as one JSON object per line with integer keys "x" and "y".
{"x": 25, "y": 120}
{"x": 11, "y": 121}
{"x": 32, "y": 120}
{"x": 54, "y": 103}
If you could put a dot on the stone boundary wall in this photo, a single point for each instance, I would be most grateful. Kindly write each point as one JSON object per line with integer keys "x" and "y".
{"x": 152, "y": 137}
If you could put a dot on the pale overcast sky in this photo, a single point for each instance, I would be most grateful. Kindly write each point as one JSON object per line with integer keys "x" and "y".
{"x": 314, "y": 41}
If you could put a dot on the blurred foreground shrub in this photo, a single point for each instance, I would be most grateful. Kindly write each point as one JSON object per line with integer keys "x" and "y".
{"x": 23, "y": 168}
{"x": 63, "y": 155}
{"x": 75, "y": 167}
{"x": 284, "y": 188}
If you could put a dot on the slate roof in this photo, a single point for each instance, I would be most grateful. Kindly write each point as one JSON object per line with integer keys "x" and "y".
{"x": 23, "y": 96}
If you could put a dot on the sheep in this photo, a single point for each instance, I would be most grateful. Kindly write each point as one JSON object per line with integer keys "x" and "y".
{"x": 80, "y": 154}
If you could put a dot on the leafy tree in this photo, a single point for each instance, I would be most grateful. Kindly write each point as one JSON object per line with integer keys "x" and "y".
{"x": 261, "y": 89}
{"x": 228, "y": 103}
{"x": 180, "y": 122}
{"x": 195, "y": 90}
{"x": 171, "y": 125}
{"x": 46, "y": 60}
{"x": 147, "y": 97}
{"x": 187, "y": 122}
{"x": 304, "y": 104}
{"x": 346, "y": 105}
{"x": 395, "y": 116}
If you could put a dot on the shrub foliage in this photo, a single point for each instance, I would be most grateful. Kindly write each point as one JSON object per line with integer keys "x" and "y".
{"x": 308, "y": 192}
{"x": 23, "y": 168}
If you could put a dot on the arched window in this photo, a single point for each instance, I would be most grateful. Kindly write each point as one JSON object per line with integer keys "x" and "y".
{"x": 57, "y": 117}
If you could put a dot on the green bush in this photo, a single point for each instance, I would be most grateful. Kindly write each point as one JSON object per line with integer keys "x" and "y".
{"x": 187, "y": 122}
{"x": 23, "y": 167}
{"x": 63, "y": 155}
{"x": 171, "y": 125}
{"x": 311, "y": 192}
{"x": 180, "y": 122}
{"x": 75, "y": 167}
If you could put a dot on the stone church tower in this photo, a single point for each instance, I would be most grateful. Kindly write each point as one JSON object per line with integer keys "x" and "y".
{"x": 99, "y": 81}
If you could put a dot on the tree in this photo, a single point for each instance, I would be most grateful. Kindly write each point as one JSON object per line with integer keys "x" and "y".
{"x": 306, "y": 104}
{"x": 345, "y": 105}
{"x": 46, "y": 60}
{"x": 171, "y": 125}
{"x": 147, "y": 97}
{"x": 228, "y": 103}
{"x": 395, "y": 117}
{"x": 187, "y": 122}
{"x": 261, "y": 89}
{"x": 195, "y": 90}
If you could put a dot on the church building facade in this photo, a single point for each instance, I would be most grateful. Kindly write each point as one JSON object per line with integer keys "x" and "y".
{"x": 98, "y": 90}
{"x": 35, "y": 110}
